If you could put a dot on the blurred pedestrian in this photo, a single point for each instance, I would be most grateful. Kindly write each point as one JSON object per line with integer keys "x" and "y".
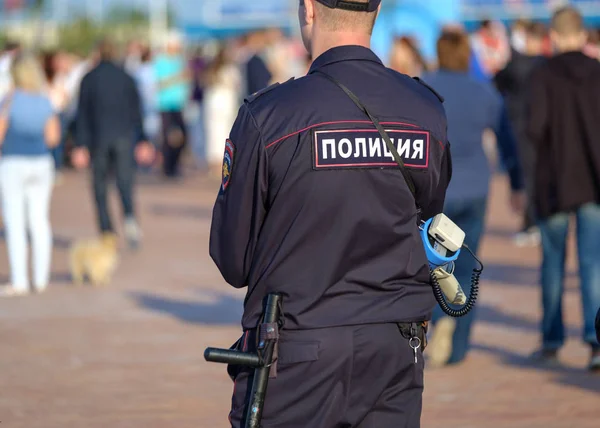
{"x": 148, "y": 90}
{"x": 280, "y": 58}
{"x": 174, "y": 87}
{"x": 563, "y": 127}
{"x": 195, "y": 117}
{"x": 133, "y": 56}
{"x": 11, "y": 49}
{"x": 513, "y": 83}
{"x": 406, "y": 58}
{"x": 256, "y": 73}
{"x": 592, "y": 47}
{"x": 110, "y": 130}
{"x": 29, "y": 128}
{"x": 472, "y": 107}
{"x": 57, "y": 92}
{"x": 70, "y": 69}
{"x": 223, "y": 85}
{"x": 491, "y": 46}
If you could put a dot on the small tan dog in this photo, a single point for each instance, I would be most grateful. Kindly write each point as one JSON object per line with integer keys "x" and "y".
{"x": 97, "y": 259}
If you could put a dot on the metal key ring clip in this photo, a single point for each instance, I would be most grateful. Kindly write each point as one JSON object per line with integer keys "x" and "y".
{"x": 411, "y": 341}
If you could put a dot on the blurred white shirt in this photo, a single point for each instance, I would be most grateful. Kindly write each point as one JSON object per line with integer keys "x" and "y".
{"x": 6, "y": 82}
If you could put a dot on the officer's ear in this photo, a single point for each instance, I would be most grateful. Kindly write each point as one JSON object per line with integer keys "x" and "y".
{"x": 308, "y": 10}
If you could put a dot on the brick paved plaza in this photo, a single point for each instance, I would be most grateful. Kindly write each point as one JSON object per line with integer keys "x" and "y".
{"x": 131, "y": 354}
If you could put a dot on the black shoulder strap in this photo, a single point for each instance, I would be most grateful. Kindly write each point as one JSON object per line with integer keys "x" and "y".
{"x": 407, "y": 177}
{"x": 254, "y": 96}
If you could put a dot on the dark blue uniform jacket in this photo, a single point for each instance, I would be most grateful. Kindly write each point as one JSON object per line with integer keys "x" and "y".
{"x": 313, "y": 205}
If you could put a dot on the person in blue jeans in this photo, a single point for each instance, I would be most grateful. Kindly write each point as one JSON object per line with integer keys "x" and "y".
{"x": 472, "y": 106}
{"x": 563, "y": 127}
{"x": 554, "y": 231}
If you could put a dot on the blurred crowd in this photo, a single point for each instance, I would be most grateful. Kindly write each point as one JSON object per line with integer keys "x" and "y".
{"x": 523, "y": 100}
{"x": 216, "y": 78}
{"x": 120, "y": 110}
{"x": 77, "y": 111}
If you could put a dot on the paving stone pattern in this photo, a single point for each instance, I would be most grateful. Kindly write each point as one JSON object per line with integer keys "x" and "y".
{"x": 131, "y": 354}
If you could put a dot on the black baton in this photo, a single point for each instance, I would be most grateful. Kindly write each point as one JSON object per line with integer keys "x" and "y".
{"x": 261, "y": 361}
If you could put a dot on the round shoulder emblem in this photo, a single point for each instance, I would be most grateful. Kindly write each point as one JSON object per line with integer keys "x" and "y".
{"x": 227, "y": 164}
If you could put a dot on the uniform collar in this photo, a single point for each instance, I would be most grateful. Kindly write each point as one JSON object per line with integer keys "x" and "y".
{"x": 344, "y": 53}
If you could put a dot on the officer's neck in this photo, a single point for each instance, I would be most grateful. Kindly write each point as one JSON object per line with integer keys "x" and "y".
{"x": 325, "y": 41}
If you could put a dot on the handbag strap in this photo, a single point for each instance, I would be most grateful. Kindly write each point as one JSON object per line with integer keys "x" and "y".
{"x": 407, "y": 177}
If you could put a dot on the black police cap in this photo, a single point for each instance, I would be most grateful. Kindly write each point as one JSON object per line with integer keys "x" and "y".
{"x": 369, "y": 6}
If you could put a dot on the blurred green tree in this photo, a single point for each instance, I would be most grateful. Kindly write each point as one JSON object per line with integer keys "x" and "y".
{"x": 80, "y": 36}
{"x": 122, "y": 24}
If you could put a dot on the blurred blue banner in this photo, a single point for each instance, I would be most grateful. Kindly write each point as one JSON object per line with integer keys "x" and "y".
{"x": 532, "y": 9}
{"x": 419, "y": 18}
{"x": 222, "y": 18}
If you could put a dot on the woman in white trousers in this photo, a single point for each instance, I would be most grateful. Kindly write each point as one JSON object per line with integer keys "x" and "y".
{"x": 221, "y": 103}
{"x": 29, "y": 128}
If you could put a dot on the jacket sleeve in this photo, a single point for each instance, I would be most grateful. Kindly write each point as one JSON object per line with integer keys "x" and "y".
{"x": 240, "y": 208}
{"x": 83, "y": 121}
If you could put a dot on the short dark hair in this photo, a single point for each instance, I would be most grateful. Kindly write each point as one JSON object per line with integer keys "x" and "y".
{"x": 567, "y": 21}
{"x": 536, "y": 30}
{"x": 107, "y": 49}
{"x": 486, "y": 24}
{"x": 339, "y": 19}
{"x": 454, "y": 51}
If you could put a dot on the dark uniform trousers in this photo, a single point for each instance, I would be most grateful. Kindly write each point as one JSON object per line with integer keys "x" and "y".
{"x": 345, "y": 377}
{"x": 117, "y": 157}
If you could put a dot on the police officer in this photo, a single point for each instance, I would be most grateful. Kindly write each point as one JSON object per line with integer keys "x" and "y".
{"x": 313, "y": 205}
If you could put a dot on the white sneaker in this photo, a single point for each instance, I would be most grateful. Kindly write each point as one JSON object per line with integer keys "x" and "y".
{"x": 528, "y": 238}
{"x": 10, "y": 291}
{"x": 133, "y": 233}
{"x": 40, "y": 288}
{"x": 439, "y": 348}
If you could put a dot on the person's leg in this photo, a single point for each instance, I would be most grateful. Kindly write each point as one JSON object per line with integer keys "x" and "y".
{"x": 527, "y": 158}
{"x": 38, "y": 193}
{"x": 441, "y": 343}
{"x": 167, "y": 149}
{"x": 588, "y": 247}
{"x": 472, "y": 222}
{"x": 12, "y": 174}
{"x": 200, "y": 138}
{"x": 100, "y": 174}
{"x": 451, "y": 336}
{"x": 58, "y": 153}
{"x": 125, "y": 170}
{"x": 180, "y": 142}
{"x": 554, "y": 232}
